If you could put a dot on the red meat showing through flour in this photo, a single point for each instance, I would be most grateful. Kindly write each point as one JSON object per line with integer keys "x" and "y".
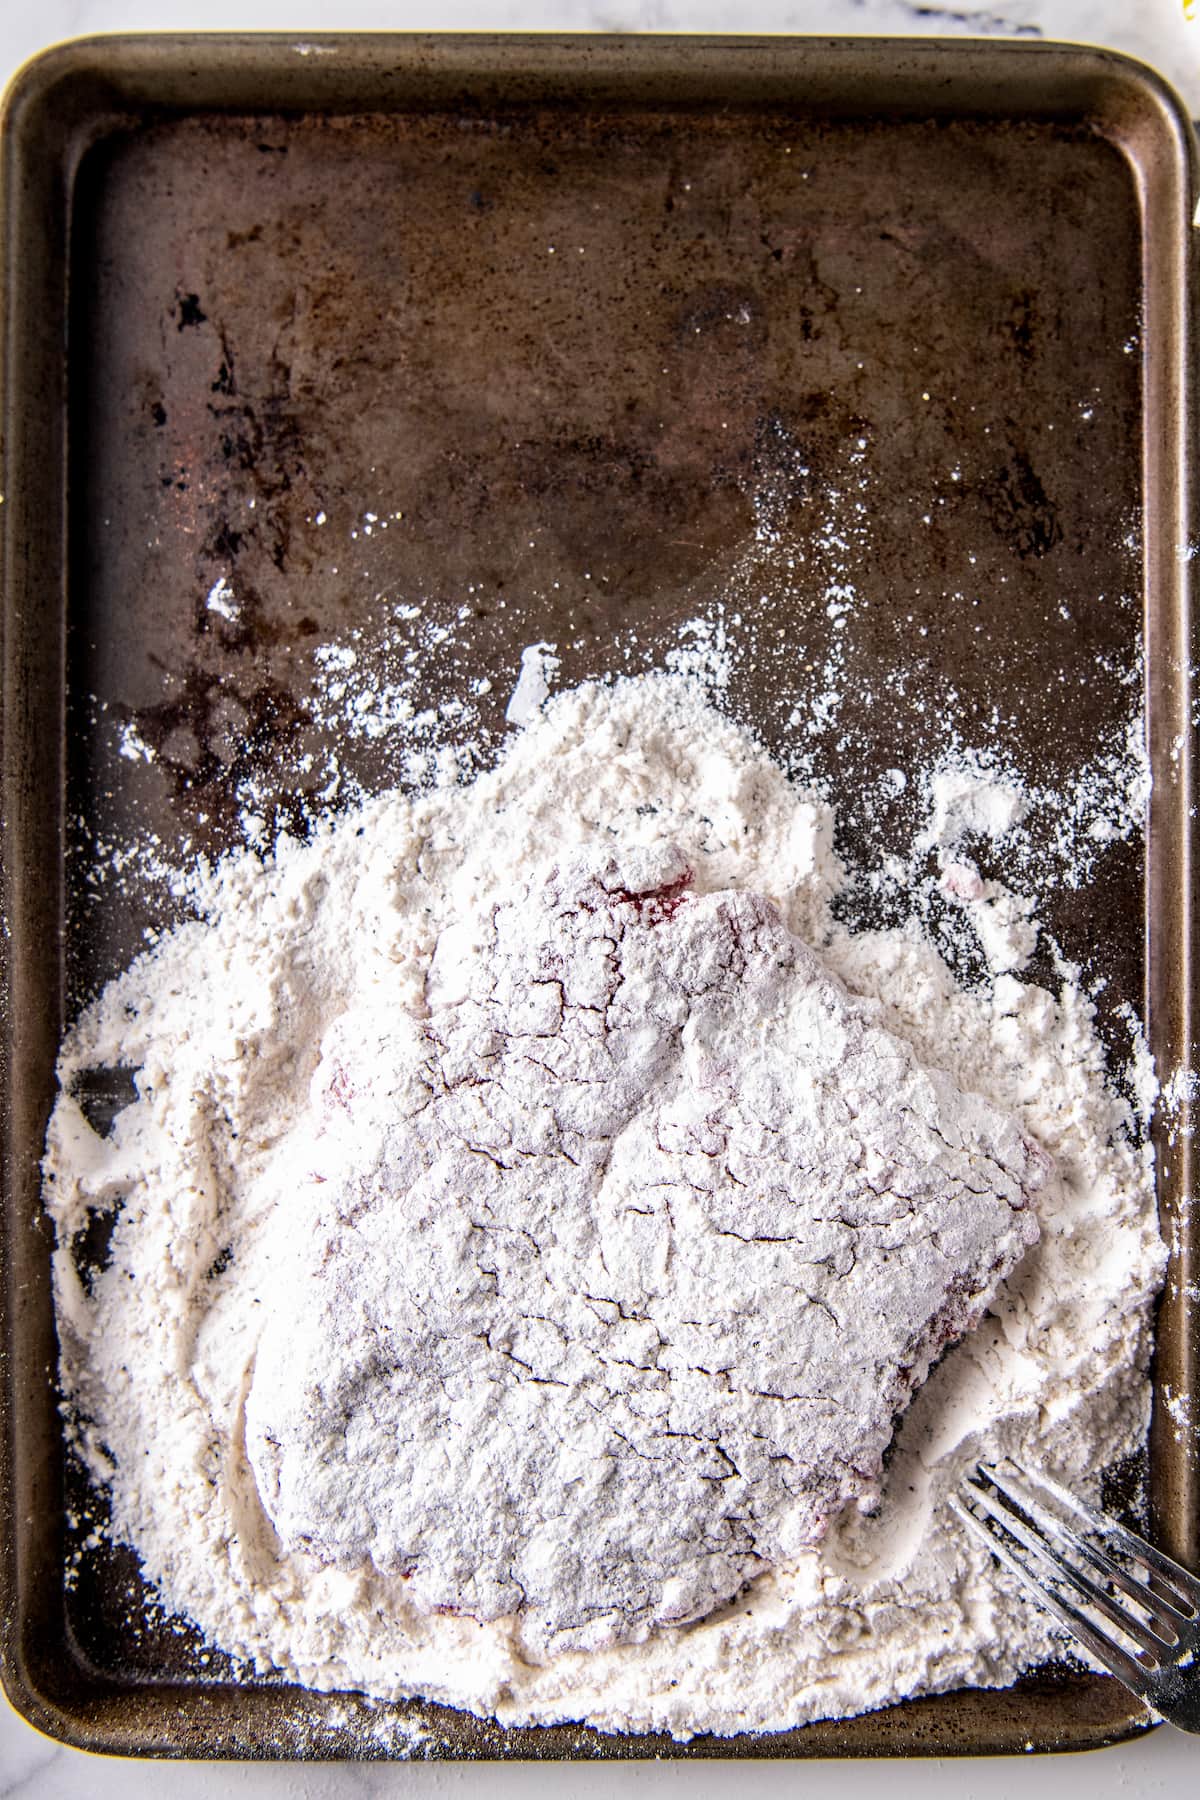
{"x": 614, "y": 1291}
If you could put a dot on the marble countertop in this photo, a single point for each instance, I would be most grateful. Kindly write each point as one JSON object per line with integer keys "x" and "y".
{"x": 1162, "y": 33}
{"x": 1158, "y": 31}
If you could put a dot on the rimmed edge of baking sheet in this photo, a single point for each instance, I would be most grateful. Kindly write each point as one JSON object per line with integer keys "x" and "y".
{"x": 61, "y": 104}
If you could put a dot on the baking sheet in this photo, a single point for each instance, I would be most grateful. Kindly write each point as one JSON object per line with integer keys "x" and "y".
{"x": 427, "y": 349}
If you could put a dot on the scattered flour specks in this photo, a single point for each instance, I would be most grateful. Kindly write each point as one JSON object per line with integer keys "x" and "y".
{"x": 245, "y": 1025}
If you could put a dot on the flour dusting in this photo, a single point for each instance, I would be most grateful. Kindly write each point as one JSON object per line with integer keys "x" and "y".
{"x": 327, "y": 991}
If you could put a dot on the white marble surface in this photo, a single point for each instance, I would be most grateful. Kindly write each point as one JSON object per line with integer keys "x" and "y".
{"x": 1164, "y": 1764}
{"x": 1158, "y": 31}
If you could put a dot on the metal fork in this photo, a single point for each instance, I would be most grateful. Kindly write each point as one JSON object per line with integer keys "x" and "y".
{"x": 1158, "y": 1616}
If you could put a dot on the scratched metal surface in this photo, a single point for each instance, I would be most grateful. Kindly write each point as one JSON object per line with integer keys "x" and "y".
{"x": 572, "y": 349}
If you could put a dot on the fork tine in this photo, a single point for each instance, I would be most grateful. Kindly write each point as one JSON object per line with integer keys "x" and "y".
{"x": 998, "y": 1507}
{"x": 1117, "y": 1660}
{"x": 1161, "y": 1611}
{"x": 1185, "y": 1585}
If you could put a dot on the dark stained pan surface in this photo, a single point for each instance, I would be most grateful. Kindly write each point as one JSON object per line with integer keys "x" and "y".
{"x": 571, "y": 309}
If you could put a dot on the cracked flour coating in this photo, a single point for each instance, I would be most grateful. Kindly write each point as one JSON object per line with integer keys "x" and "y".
{"x": 531, "y": 1241}
{"x": 616, "y": 1265}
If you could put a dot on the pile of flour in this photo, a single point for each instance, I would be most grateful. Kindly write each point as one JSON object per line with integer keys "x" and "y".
{"x": 215, "y": 1178}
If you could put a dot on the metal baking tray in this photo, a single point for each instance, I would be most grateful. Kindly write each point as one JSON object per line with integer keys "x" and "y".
{"x": 249, "y": 280}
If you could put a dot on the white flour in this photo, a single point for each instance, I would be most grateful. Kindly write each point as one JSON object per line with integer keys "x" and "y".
{"x": 612, "y": 1270}
{"x": 230, "y": 1020}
